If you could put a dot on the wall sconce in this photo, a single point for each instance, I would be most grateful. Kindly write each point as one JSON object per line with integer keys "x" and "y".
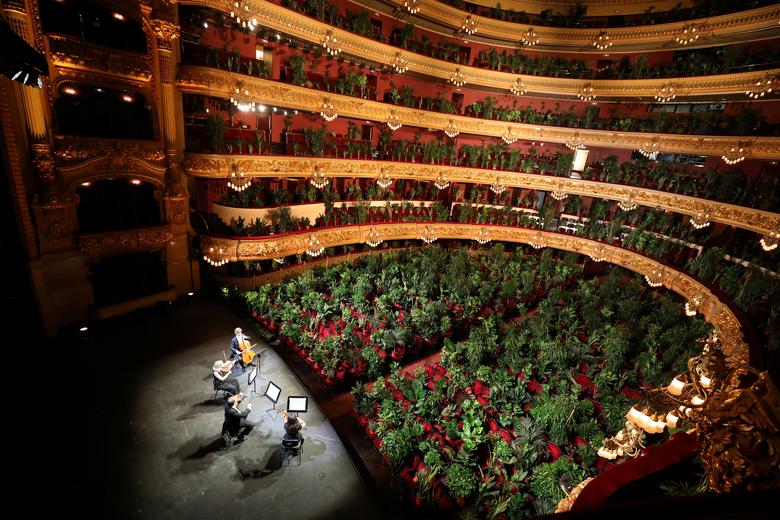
{"x": 575, "y": 142}
{"x": 769, "y": 242}
{"x": 393, "y": 121}
{"x": 451, "y": 129}
{"x": 457, "y": 78}
{"x": 318, "y": 179}
{"x": 529, "y": 39}
{"x": 314, "y": 246}
{"x": 602, "y": 41}
{"x": 509, "y": 136}
{"x": 216, "y": 257}
{"x": 413, "y": 6}
{"x": 587, "y": 93}
{"x": 518, "y": 89}
{"x": 441, "y": 181}
{"x": 327, "y": 110}
{"x": 400, "y": 64}
{"x": 762, "y": 87}
{"x": 483, "y": 236}
{"x": 667, "y": 93}
{"x": 700, "y": 220}
{"x": 498, "y": 187}
{"x": 428, "y": 236}
{"x": 330, "y": 44}
{"x": 236, "y": 180}
{"x": 373, "y": 239}
{"x": 690, "y": 33}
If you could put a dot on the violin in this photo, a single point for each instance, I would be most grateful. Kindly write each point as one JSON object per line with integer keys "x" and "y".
{"x": 225, "y": 368}
{"x": 247, "y": 355}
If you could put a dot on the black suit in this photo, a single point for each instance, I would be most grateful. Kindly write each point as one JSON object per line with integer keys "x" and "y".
{"x": 235, "y": 420}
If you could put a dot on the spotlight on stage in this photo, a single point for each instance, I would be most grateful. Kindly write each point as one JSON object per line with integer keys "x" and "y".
{"x": 19, "y": 61}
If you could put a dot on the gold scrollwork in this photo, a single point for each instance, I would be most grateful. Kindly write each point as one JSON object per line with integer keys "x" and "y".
{"x": 101, "y": 244}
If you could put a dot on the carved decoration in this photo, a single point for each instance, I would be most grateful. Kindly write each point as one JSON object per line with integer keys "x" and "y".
{"x": 66, "y": 52}
{"x": 714, "y": 311}
{"x": 177, "y": 210}
{"x": 218, "y": 166}
{"x": 214, "y": 82}
{"x": 309, "y": 29}
{"x": 166, "y": 33}
{"x": 56, "y": 223}
{"x": 102, "y": 244}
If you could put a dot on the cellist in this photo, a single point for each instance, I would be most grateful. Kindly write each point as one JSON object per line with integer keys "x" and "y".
{"x": 240, "y": 349}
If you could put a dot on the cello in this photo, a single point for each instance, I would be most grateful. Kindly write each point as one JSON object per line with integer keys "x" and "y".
{"x": 247, "y": 355}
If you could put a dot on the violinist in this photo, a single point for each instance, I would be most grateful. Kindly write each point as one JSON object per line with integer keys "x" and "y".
{"x": 236, "y": 424}
{"x": 223, "y": 378}
{"x": 240, "y": 349}
{"x": 293, "y": 426}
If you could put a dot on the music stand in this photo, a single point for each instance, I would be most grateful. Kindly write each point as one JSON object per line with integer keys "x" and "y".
{"x": 252, "y": 380}
{"x": 272, "y": 392}
{"x": 297, "y": 404}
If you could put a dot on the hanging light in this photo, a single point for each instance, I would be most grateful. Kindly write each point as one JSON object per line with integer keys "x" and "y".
{"x": 428, "y": 236}
{"x": 700, "y": 220}
{"x": 393, "y": 121}
{"x": 400, "y": 64}
{"x": 667, "y": 93}
{"x": 598, "y": 253}
{"x": 373, "y": 239}
{"x": 559, "y": 193}
{"x": 655, "y": 278}
{"x": 628, "y": 205}
{"x": 413, "y": 6}
{"x": 762, "y": 87}
{"x": 327, "y": 110}
{"x": 239, "y": 11}
{"x": 383, "y": 180}
{"x": 457, "y": 78}
{"x": 483, "y": 236}
{"x": 509, "y": 136}
{"x": 529, "y": 39}
{"x": 216, "y": 257}
{"x": 602, "y": 41}
{"x": 468, "y": 26}
{"x": 314, "y": 246}
{"x": 241, "y": 99}
{"x": 690, "y": 33}
{"x": 331, "y": 44}
{"x": 451, "y": 129}
{"x": 575, "y": 142}
{"x": 650, "y": 148}
{"x": 692, "y": 306}
{"x": 441, "y": 181}
{"x": 587, "y": 92}
{"x": 498, "y": 187}
{"x": 518, "y": 88}
{"x": 318, "y": 179}
{"x": 769, "y": 242}
{"x": 236, "y": 180}
{"x": 735, "y": 155}
{"x": 538, "y": 240}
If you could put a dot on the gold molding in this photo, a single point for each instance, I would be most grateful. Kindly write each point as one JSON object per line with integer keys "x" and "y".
{"x": 760, "y": 23}
{"x": 308, "y": 29}
{"x": 67, "y": 53}
{"x": 214, "y": 82}
{"x": 101, "y": 244}
{"x": 712, "y": 309}
{"x": 219, "y": 166}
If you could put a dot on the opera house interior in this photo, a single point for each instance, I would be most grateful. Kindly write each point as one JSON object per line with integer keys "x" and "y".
{"x": 452, "y": 259}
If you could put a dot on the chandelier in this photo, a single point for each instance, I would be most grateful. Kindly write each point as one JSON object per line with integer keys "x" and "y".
{"x": 451, "y": 129}
{"x": 330, "y": 44}
{"x": 692, "y": 306}
{"x": 498, "y": 187}
{"x": 384, "y": 180}
{"x": 598, "y": 253}
{"x": 327, "y": 110}
{"x": 690, "y": 33}
{"x": 413, "y": 6}
{"x": 393, "y": 121}
{"x": 655, "y": 278}
{"x": 629, "y": 204}
{"x": 538, "y": 241}
{"x": 483, "y": 236}
{"x": 428, "y": 236}
{"x": 575, "y": 142}
{"x": 314, "y": 246}
{"x": 762, "y": 87}
{"x": 602, "y": 41}
{"x": 400, "y": 64}
{"x": 216, "y": 257}
{"x": 529, "y": 39}
{"x": 457, "y": 78}
{"x": 667, "y": 93}
{"x": 650, "y": 148}
{"x": 627, "y": 442}
{"x": 509, "y": 136}
{"x": 373, "y": 239}
{"x": 700, "y": 220}
{"x": 559, "y": 193}
{"x": 241, "y": 98}
{"x": 469, "y": 26}
{"x": 246, "y": 22}
{"x": 237, "y": 181}
{"x": 735, "y": 155}
{"x": 318, "y": 179}
{"x": 769, "y": 242}
{"x": 441, "y": 181}
{"x": 518, "y": 88}
{"x": 587, "y": 93}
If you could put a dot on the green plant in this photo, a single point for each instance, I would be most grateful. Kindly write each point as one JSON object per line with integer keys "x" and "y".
{"x": 460, "y": 480}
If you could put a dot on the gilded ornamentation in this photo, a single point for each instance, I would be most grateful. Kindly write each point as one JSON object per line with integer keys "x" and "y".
{"x": 218, "y": 166}
{"x": 214, "y": 82}
{"x": 66, "y": 52}
{"x": 177, "y": 212}
{"x": 166, "y": 33}
{"x": 101, "y": 244}
{"x": 715, "y": 312}
{"x": 56, "y": 223}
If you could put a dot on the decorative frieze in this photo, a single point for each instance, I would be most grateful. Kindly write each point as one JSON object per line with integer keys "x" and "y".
{"x": 68, "y": 53}
{"x": 104, "y": 244}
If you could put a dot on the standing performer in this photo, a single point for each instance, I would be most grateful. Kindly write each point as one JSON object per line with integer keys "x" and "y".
{"x": 241, "y": 349}
{"x": 223, "y": 378}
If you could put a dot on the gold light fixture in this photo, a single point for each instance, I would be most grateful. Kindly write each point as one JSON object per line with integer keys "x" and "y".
{"x": 628, "y": 204}
{"x": 509, "y": 136}
{"x": 240, "y": 10}
{"x": 400, "y": 64}
{"x": 236, "y": 180}
{"x": 498, "y": 187}
{"x": 441, "y": 182}
{"x": 689, "y": 34}
{"x": 393, "y": 121}
{"x": 762, "y": 87}
{"x": 538, "y": 240}
{"x": 529, "y": 39}
{"x": 451, "y": 129}
{"x": 373, "y": 239}
{"x": 559, "y": 193}
{"x": 735, "y": 155}
{"x": 575, "y": 142}
{"x": 655, "y": 278}
{"x": 413, "y": 6}
{"x": 327, "y": 110}
{"x": 318, "y": 179}
{"x": 518, "y": 88}
{"x": 628, "y": 442}
{"x": 457, "y": 78}
{"x": 314, "y": 246}
{"x": 667, "y": 93}
{"x": 692, "y": 306}
{"x": 700, "y": 220}
{"x": 587, "y": 92}
{"x": 598, "y": 253}
{"x": 216, "y": 257}
{"x": 650, "y": 148}
{"x": 331, "y": 44}
{"x": 384, "y": 180}
{"x": 468, "y": 26}
{"x": 241, "y": 99}
{"x": 769, "y": 242}
{"x": 602, "y": 41}
{"x": 482, "y": 236}
{"x": 428, "y": 236}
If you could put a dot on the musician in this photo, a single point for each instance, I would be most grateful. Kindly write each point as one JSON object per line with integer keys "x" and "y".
{"x": 235, "y": 347}
{"x": 293, "y": 426}
{"x": 224, "y": 379}
{"x": 236, "y": 424}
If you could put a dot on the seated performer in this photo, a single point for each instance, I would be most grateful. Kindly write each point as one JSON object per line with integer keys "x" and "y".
{"x": 292, "y": 427}
{"x": 238, "y": 345}
{"x": 223, "y": 378}
{"x": 236, "y": 424}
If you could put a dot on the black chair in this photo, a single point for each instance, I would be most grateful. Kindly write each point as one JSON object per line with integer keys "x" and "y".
{"x": 225, "y": 393}
{"x": 227, "y": 436}
{"x": 292, "y": 448}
